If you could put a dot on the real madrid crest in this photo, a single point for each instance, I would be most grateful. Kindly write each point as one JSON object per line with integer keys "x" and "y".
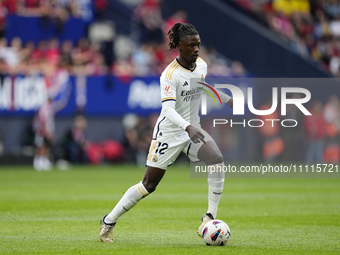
{"x": 202, "y": 78}
{"x": 154, "y": 159}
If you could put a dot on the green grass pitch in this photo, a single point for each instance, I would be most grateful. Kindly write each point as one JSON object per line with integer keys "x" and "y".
{"x": 58, "y": 212}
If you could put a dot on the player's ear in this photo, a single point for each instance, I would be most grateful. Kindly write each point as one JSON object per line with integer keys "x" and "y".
{"x": 179, "y": 45}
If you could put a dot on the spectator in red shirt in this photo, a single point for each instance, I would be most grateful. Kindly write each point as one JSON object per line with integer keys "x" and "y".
{"x": 52, "y": 53}
{"x": 149, "y": 16}
{"x": 39, "y": 52}
{"x": 179, "y": 16}
{"x": 65, "y": 55}
{"x": 272, "y": 143}
{"x": 97, "y": 66}
{"x": 34, "y": 8}
{"x": 315, "y": 127}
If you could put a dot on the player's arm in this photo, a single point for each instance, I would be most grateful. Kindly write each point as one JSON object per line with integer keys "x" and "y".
{"x": 225, "y": 98}
{"x": 195, "y": 134}
{"x": 168, "y": 92}
{"x": 168, "y": 95}
{"x": 171, "y": 114}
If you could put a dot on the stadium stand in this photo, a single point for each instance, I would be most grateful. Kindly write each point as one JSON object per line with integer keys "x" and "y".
{"x": 311, "y": 27}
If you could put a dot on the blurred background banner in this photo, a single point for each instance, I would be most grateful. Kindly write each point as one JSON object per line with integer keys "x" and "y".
{"x": 106, "y": 96}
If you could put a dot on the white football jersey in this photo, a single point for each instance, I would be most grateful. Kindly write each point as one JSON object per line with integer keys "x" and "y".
{"x": 175, "y": 86}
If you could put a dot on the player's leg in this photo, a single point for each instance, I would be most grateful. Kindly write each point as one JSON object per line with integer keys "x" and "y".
{"x": 41, "y": 161}
{"x": 38, "y": 159}
{"x": 212, "y": 156}
{"x": 135, "y": 193}
{"x": 210, "y": 153}
{"x": 47, "y": 165}
{"x": 131, "y": 197}
{"x": 163, "y": 151}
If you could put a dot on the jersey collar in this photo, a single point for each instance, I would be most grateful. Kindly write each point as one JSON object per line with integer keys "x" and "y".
{"x": 187, "y": 69}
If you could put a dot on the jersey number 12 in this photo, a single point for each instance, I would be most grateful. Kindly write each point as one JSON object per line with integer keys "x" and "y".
{"x": 161, "y": 148}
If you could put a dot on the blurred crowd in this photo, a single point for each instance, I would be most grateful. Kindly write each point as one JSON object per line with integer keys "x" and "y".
{"x": 57, "y": 11}
{"x": 151, "y": 54}
{"x": 27, "y": 58}
{"x": 311, "y": 26}
{"x": 145, "y": 53}
{"x": 315, "y": 140}
{"x": 84, "y": 58}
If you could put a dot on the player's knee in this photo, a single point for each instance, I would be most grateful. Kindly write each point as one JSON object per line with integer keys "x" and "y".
{"x": 215, "y": 159}
{"x": 219, "y": 159}
{"x": 150, "y": 186}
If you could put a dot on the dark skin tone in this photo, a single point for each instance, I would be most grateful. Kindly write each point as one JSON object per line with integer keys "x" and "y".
{"x": 189, "y": 47}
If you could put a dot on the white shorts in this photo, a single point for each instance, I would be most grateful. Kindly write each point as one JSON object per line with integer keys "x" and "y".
{"x": 165, "y": 150}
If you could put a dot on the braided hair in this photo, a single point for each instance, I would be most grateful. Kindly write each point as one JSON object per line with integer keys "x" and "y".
{"x": 178, "y": 31}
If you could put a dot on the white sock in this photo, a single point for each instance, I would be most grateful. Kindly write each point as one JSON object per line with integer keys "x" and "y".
{"x": 47, "y": 165}
{"x": 38, "y": 163}
{"x": 215, "y": 182}
{"x": 131, "y": 197}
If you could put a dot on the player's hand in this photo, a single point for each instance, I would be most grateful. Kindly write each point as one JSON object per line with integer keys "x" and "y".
{"x": 231, "y": 102}
{"x": 195, "y": 134}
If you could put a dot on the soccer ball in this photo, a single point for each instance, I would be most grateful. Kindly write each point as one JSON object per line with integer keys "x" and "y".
{"x": 216, "y": 233}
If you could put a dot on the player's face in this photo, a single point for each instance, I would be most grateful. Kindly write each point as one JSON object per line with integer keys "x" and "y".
{"x": 190, "y": 47}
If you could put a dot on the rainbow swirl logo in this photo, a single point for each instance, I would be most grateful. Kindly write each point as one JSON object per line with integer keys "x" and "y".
{"x": 209, "y": 93}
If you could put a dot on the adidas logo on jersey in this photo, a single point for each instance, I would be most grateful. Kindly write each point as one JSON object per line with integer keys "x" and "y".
{"x": 185, "y": 83}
